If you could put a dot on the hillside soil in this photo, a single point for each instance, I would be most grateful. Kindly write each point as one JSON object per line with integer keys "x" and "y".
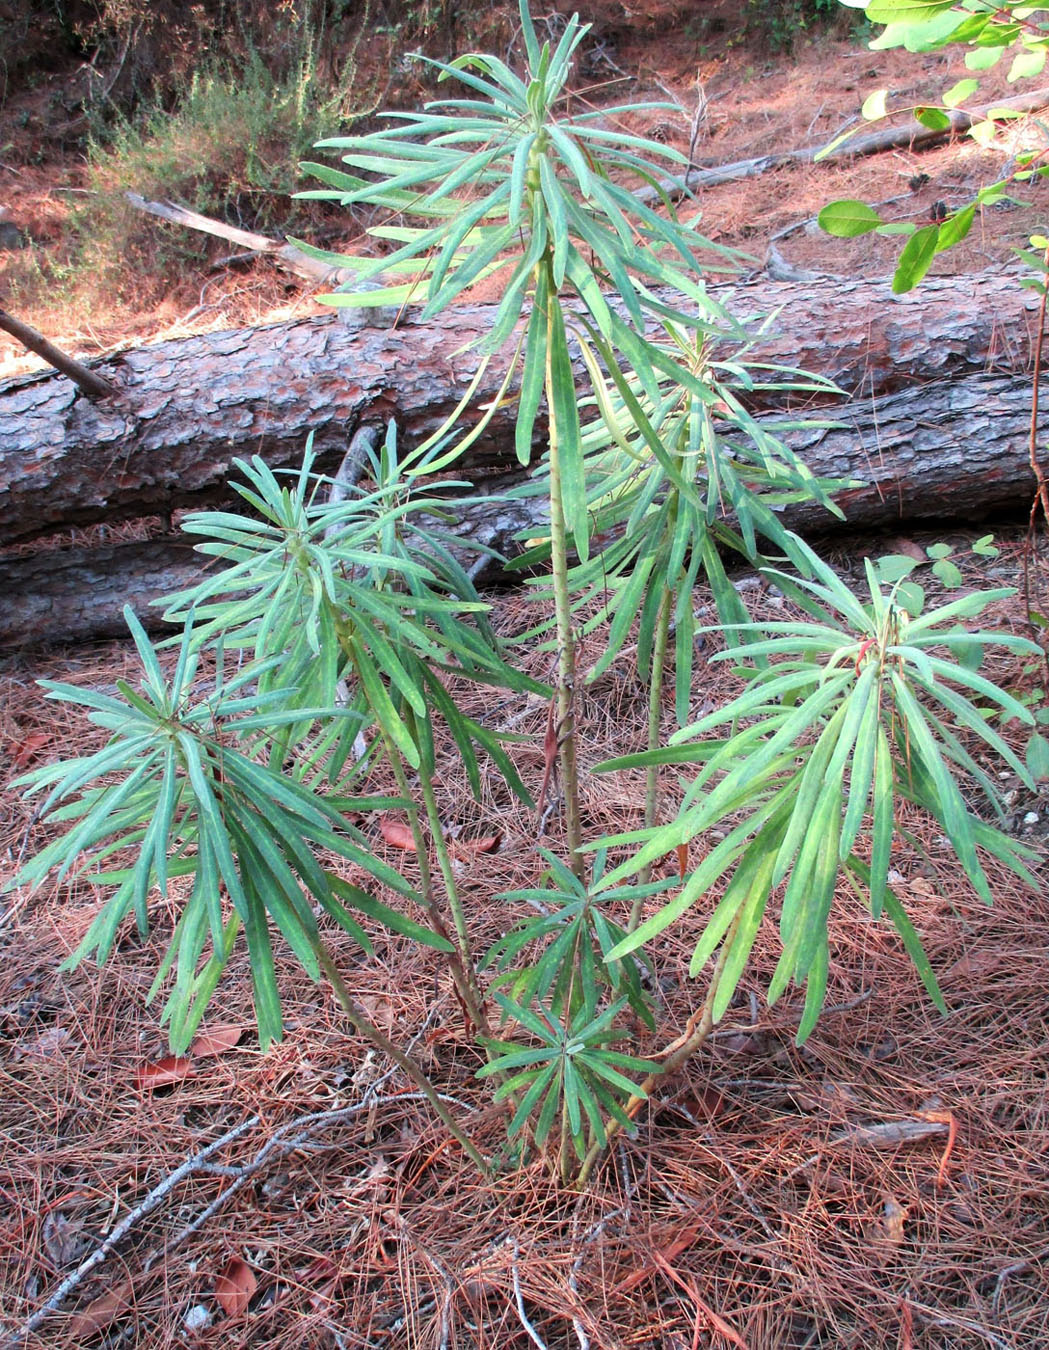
{"x": 886, "y": 1187}
{"x": 755, "y": 104}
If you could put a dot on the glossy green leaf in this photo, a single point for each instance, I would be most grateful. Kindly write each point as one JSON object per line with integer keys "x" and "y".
{"x": 847, "y": 219}
{"x": 916, "y": 258}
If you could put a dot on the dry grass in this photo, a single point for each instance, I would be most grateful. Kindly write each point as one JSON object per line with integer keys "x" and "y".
{"x": 885, "y": 1187}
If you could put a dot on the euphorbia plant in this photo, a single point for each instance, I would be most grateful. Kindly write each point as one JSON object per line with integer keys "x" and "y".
{"x": 549, "y": 207}
{"x": 660, "y": 456}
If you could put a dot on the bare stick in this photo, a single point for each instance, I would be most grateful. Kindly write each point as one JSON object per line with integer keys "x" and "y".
{"x": 155, "y": 1197}
{"x": 533, "y": 1335}
{"x": 92, "y": 384}
{"x": 874, "y": 142}
{"x": 285, "y": 254}
{"x": 285, "y": 1139}
{"x": 885, "y": 1134}
{"x": 573, "y": 1279}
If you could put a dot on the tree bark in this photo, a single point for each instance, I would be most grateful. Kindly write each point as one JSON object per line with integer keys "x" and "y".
{"x": 954, "y": 448}
{"x": 186, "y": 409}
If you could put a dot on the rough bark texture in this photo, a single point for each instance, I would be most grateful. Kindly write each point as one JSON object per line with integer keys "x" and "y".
{"x": 935, "y": 425}
{"x": 78, "y": 594}
{"x": 187, "y": 408}
{"x": 940, "y": 451}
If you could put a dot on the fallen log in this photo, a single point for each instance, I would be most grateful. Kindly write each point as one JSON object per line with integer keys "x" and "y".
{"x": 936, "y": 453}
{"x": 79, "y": 594}
{"x": 287, "y": 255}
{"x": 185, "y": 409}
{"x": 903, "y": 136}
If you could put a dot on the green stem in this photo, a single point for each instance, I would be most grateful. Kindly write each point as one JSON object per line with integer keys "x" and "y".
{"x": 400, "y": 1057}
{"x": 460, "y": 969}
{"x": 458, "y": 960}
{"x": 468, "y": 970}
{"x": 697, "y": 1029}
{"x": 655, "y": 718}
{"x": 566, "y": 663}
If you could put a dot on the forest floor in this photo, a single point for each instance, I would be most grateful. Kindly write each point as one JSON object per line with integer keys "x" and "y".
{"x": 755, "y": 105}
{"x": 886, "y": 1187}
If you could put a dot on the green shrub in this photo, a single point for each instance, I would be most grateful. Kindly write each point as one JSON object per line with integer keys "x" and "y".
{"x": 344, "y": 618}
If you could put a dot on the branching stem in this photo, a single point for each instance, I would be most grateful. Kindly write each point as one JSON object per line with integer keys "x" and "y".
{"x": 677, "y": 1054}
{"x": 363, "y": 1024}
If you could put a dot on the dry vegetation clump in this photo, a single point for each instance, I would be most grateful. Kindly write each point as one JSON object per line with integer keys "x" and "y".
{"x": 885, "y": 1186}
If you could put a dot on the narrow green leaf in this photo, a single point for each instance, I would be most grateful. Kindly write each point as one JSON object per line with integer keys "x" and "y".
{"x": 565, "y": 414}
{"x": 756, "y": 898}
{"x": 815, "y": 993}
{"x": 533, "y": 373}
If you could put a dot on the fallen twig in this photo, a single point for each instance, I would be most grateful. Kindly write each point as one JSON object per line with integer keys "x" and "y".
{"x": 875, "y": 142}
{"x": 285, "y": 1139}
{"x": 886, "y": 1134}
{"x": 155, "y": 1197}
{"x": 573, "y": 1278}
{"x": 91, "y": 383}
{"x": 533, "y": 1335}
{"x": 286, "y": 254}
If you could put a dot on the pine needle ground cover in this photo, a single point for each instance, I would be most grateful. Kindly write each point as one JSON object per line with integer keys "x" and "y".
{"x": 884, "y": 1186}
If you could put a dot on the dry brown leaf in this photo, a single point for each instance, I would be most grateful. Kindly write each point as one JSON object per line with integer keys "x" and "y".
{"x": 706, "y": 1101}
{"x": 216, "y": 1041}
{"x": 973, "y": 963}
{"x": 379, "y": 1010}
{"x": 487, "y": 843}
{"x": 99, "y": 1313}
{"x": 24, "y": 751}
{"x": 908, "y": 548}
{"x": 170, "y": 1070}
{"x": 397, "y": 834}
{"x": 65, "y": 1239}
{"x": 682, "y": 860}
{"x": 234, "y": 1287}
{"x": 468, "y": 848}
{"x": 894, "y": 1217}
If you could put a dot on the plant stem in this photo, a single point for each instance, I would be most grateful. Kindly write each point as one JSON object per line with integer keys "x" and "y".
{"x": 458, "y": 961}
{"x": 468, "y": 970}
{"x": 461, "y": 971}
{"x": 403, "y": 1060}
{"x": 563, "y": 611}
{"x": 697, "y": 1029}
{"x": 655, "y": 718}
